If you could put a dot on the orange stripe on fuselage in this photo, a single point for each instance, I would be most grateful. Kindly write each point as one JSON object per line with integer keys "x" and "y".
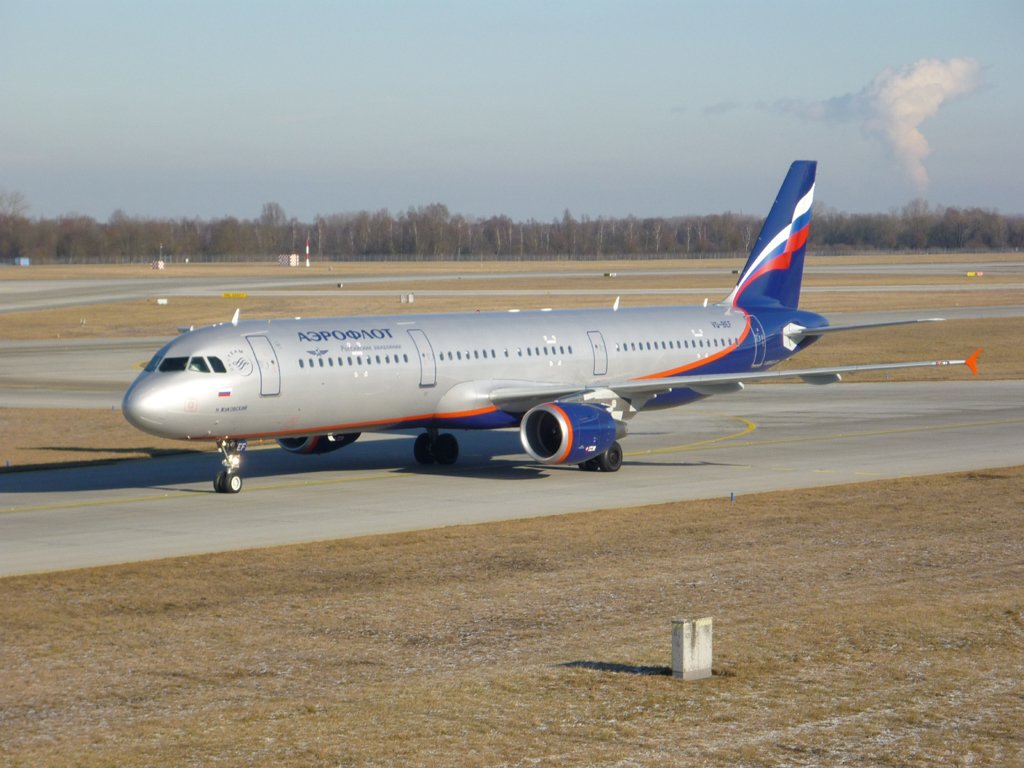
{"x": 704, "y": 361}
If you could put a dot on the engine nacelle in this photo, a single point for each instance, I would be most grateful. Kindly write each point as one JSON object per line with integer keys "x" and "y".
{"x": 568, "y": 433}
{"x": 315, "y": 444}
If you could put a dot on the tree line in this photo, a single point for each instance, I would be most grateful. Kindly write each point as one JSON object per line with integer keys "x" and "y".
{"x": 432, "y": 232}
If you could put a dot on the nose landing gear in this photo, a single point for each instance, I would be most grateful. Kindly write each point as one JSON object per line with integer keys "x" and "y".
{"x": 228, "y": 480}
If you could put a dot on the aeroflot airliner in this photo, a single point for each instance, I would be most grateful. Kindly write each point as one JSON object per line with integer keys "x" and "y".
{"x": 571, "y": 380}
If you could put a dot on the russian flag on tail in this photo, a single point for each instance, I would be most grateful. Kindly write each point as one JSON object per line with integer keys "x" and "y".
{"x": 774, "y": 270}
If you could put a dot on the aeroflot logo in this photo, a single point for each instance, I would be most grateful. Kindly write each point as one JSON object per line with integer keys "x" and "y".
{"x": 342, "y": 335}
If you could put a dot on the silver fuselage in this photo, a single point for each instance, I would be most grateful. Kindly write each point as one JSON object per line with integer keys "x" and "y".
{"x": 339, "y": 375}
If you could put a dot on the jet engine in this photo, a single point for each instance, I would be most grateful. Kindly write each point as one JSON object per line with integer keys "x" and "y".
{"x": 311, "y": 444}
{"x": 568, "y": 433}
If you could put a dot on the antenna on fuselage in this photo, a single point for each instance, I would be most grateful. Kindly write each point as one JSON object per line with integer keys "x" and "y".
{"x": 234, "y": 317}
{"x": 615, "y": 306}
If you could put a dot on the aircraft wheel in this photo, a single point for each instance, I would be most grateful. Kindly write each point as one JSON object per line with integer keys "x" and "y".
{"x": 445, "y": 449}
{"x": 590, "y": 465}
{"x": 421, "y": 449}
{"x": 611, "y": 460}
{"x": 227, "y": 482}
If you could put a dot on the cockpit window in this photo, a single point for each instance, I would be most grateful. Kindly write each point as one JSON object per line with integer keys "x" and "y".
{"x": 170, "y": 364}
{"x": 217, "y": 365}
{"x": 198, "y": 364}
{"x": 155, "y": 362}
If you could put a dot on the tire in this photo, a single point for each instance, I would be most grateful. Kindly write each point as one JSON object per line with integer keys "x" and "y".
{"x": 445, "y": 449}
{"x": 232, "y": 482}
{"x": 611, "y": 460}
{"x": 421, "y": 450}
{"x": 590, "y": 465}
{"x": 218, "y": 482}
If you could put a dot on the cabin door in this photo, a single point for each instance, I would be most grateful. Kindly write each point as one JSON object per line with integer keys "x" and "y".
{"x": 266, "y": 361}
{"x": 425, "y": 352}
{"x": 757, "y": 331}
{"x": 600, "y": 353}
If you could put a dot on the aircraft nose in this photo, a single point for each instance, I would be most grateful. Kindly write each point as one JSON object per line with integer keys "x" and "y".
{"x": 143, "y": 407}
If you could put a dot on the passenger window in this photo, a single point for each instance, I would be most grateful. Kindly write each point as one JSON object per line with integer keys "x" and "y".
{"x": 217, "y": 365}
{"x": 302, "y": 363}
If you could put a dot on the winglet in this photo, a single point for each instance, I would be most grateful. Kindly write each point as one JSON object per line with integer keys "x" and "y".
{"x": 972, "y": 361}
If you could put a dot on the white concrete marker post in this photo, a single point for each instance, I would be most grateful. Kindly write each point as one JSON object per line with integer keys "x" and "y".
{"x": 691, "y": 648}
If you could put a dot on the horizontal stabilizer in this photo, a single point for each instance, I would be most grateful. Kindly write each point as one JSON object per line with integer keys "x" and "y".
{"x": 796, "y": 332}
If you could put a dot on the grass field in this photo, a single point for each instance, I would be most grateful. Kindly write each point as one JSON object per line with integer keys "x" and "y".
{"x": 873, "y": 624}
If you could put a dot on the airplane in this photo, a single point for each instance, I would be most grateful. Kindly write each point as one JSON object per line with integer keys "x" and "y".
{"x": 570, "y": 380}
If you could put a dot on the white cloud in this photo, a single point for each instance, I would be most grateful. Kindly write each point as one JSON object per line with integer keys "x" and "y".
{"x": 895, "y": 104}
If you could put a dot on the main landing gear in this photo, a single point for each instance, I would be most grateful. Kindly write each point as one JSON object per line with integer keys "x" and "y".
{"x": 432, "y": 447}
{"x": 609, "y": 461}
{"x": 228, "y": 480}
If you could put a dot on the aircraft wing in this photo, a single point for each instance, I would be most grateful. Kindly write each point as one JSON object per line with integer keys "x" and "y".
{"x": 518, "y": 399}
{"x": 731, "y": 382}
{"x": 521, "y": 398}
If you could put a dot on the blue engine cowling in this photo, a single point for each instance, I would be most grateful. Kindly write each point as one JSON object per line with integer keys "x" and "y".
{"x": 568, "y": 433}
{"x": 315, "y": 444}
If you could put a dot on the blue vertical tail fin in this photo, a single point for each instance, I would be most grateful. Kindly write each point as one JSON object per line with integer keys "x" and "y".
{"x": 773, "y": 273}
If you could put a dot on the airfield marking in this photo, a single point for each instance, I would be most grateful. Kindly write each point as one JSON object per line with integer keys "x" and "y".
{"x": 182, "y": 493}
{"x": 749, "y": 427}
{"x": 875, "y": 433}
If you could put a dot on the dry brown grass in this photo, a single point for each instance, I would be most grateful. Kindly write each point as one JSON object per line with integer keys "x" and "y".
{"x": 871, "y": 624}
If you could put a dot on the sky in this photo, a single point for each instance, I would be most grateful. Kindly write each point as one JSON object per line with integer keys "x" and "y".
{"x": 211, "y": 108}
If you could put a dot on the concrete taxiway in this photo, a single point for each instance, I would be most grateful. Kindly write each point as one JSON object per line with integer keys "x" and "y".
{"x": 766, "y": 438}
